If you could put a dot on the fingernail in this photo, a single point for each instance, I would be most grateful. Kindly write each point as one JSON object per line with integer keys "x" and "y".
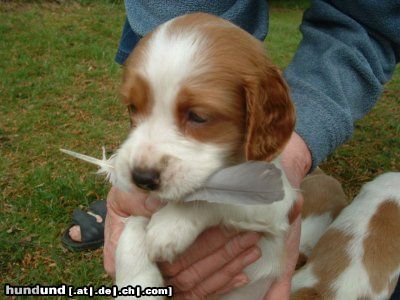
{"x": 240, "y": 280}
{"x": 152, "y": 203}
{"x": 248, "y": 239}
{"x": 252, "y": 256}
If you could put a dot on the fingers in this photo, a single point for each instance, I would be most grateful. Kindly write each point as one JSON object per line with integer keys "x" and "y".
{"x": 206, "y": 244}
{"x": 224, "y": 263}
{"x": 237, "y": 282}
{"x": 226, "y": 279}
{"x": 114, "y": 226}
{"x": 292, "y": 246}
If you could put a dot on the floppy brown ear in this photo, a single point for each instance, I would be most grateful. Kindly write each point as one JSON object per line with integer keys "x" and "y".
{"x": 270, "y": 114}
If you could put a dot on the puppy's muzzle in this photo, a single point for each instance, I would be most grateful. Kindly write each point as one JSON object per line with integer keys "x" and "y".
{"x": 146, "y": 179}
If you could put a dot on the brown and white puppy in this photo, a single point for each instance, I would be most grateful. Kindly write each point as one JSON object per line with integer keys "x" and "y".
{"x": 358, "y": 257}
{"x": 202, "y": 96}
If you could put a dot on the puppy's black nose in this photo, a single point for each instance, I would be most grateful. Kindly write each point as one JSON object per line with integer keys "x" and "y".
{"x": 146, "y": 179}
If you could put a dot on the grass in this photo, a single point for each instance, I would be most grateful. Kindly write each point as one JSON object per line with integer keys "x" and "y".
{"x": 59, "y": 88}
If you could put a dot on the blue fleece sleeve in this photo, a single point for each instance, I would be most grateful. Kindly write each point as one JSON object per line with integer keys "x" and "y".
{"x": 348, "y": 52}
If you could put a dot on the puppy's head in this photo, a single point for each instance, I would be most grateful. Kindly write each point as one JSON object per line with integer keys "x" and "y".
{"x": 201, "y": 95}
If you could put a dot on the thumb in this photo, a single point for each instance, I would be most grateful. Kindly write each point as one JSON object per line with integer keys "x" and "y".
{"x": 152, "y": 204}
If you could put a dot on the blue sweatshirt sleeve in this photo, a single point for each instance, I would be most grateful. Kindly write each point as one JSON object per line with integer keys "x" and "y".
{"x": 348, "y": 52}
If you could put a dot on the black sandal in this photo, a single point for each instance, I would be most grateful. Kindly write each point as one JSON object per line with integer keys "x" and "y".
{"x": 92, "y": 232}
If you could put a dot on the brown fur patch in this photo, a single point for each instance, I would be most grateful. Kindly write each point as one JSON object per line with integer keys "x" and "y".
{"x": 382, "y": 245}
{"x": 322, "y": 194}
{"x": 328, "y": 260}
{"x": 136, "y": 93}
{"x": 135, "y": 89}
{"x": 223, "y": 111}
{"x": 306, "y": 294}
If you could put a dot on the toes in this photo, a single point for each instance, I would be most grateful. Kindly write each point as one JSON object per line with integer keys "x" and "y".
{"x": 99, "y": 219}
{"x": 75, "y": 233}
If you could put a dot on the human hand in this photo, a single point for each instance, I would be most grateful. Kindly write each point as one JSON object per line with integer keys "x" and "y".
{"x": 119, "y": 206}
{"x": 214, "y": 264}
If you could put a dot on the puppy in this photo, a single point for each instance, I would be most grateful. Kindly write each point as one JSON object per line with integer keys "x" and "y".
{"x": 358, "y": 257}
{"x": 324, "y": 199}
{"x": 202, "y": 95}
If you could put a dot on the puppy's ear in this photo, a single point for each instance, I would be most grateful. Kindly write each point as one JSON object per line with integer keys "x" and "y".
{"x": 270, "y": 113}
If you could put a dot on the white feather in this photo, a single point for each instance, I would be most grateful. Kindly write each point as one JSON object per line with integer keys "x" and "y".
{"x": 106, "y": 165}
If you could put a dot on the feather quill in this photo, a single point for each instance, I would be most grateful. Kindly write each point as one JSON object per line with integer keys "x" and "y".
{"x": 106, "y": 165}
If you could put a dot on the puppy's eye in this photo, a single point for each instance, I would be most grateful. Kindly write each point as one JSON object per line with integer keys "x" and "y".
{"x": 131, "y": 109}
{"x": 193, "y": 117}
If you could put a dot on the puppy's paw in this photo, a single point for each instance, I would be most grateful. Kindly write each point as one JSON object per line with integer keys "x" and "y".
{"x": 165, "y": 241}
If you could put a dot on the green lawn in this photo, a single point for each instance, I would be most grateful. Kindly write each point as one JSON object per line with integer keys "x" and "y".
{"x": 59, "y": 88}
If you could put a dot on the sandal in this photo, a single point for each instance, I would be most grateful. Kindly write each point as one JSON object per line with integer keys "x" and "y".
{"x": 92, "y": 232}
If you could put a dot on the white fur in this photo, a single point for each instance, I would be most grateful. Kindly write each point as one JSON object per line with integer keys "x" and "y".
{"x": 312, "y": 228}
{"x": 353, "y": 282}
{"x": 304, "y": 278}
{"x": 131, "y": 257}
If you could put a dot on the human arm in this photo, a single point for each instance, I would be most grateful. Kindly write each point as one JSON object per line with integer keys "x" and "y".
{"x": 348, "y": 52}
